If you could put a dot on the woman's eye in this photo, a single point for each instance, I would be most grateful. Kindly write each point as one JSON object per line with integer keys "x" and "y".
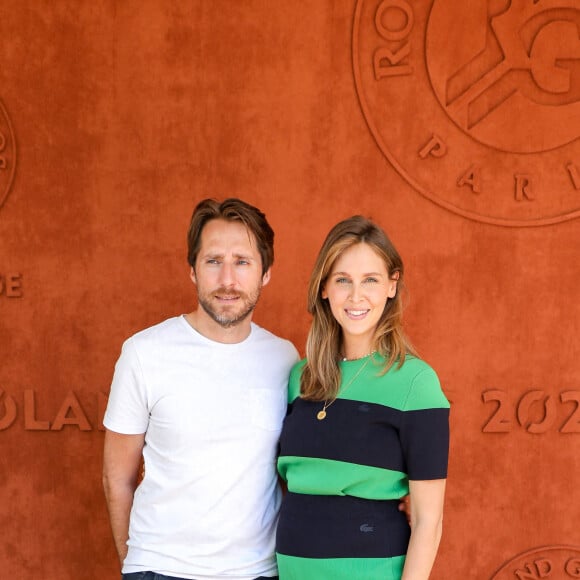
{"x": 342, "y": 280}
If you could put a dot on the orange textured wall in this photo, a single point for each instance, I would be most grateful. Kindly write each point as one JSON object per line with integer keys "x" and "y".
{"x": 454, "y": 124}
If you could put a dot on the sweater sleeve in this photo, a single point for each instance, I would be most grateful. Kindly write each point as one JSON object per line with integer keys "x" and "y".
{"x": 424, "y": 430}
{"x": 294, "y": 381}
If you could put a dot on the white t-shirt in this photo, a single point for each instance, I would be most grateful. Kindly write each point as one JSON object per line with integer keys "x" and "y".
{"x": 212, "y": 413}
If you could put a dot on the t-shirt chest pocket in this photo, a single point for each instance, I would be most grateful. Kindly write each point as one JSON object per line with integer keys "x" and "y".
{"x": 267, "y": 408}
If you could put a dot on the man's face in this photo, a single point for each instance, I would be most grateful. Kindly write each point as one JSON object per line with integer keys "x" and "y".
{"x": 228, "y": 272}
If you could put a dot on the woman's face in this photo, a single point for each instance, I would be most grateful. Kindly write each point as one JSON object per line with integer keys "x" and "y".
{"x": 357, "y": 290}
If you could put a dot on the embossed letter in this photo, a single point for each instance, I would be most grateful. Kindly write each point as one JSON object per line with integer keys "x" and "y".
{"x": 14, "y": 285}
{"x": 9, "y": 415}
{"x": 392, "y": 32}
{"x": 544, "y": 567}
{"x": 524, "y": 407}
{"x": 472, "y": 178}
{"x": 572, "y": 424}
{"x": 386, "y": 62}
{"x": 497, "y": 423}
{"x": 573, "y": 567}
{"x": 11, "y": 285}
{"x": 574, "y": 174}
{"x": 71, "y": 403}
{"x": 523, "y": 187}
{"x": 435, "y": 147}
{"x": 30, "y": 421}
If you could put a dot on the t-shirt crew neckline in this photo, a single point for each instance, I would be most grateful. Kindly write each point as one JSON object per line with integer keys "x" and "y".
{"x": 207, "y": 340}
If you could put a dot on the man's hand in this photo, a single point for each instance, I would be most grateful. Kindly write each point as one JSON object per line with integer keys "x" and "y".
{"x": 405, "y": 506}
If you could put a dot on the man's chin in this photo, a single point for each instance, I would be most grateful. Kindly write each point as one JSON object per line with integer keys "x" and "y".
{"x": 227, "y": 322}
{"x": 228, "y": 319}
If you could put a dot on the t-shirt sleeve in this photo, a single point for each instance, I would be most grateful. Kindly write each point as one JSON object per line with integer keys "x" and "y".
{"x": 424, "y": 430}
{"x": 127, "y": 409}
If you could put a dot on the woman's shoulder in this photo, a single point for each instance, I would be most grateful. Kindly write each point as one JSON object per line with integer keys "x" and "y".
{"x": 294, "y": 381}
{"x": 411, "y": 385}
{"x": 414, "y": 364}
{"x": 297, "y": 368}
{"x": 424, "y": 387}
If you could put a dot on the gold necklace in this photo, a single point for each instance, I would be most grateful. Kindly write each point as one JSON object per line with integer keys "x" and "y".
{"x": 322, "y": 413}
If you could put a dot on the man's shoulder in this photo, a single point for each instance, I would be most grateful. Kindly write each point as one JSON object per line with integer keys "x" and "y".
{"x": 159, "y": 332}
{"x": 265, "y": 337}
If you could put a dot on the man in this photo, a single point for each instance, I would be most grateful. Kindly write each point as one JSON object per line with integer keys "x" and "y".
{"x": 201, "y": 397}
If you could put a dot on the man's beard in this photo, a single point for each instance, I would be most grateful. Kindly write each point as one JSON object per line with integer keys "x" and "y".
{"x": 247, "y": 302}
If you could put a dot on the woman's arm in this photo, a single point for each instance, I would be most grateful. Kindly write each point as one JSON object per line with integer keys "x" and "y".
{"x": 426, "y": 526}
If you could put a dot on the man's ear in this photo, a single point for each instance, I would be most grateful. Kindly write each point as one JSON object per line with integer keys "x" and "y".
{"x": 266, "y": 276}
{"x": 192, "y": 276}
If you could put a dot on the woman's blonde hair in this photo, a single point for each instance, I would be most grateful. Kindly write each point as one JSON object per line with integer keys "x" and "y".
{"x": 321, "y": 375}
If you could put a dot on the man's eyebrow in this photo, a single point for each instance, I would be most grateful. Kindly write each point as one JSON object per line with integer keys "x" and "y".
{"x": 216, "y": 254}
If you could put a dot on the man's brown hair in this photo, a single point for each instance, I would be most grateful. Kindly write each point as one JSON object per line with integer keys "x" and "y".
{"x": 231, "y": 210}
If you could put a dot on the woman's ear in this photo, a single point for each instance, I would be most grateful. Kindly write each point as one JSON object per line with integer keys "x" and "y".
{"x": 393, "y": 285}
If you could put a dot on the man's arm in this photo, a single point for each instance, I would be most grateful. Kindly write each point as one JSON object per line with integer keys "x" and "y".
{"x": 121, "y": 462}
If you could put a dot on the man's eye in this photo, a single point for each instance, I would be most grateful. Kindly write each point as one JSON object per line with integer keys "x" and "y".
{"x": 243, "y": 262}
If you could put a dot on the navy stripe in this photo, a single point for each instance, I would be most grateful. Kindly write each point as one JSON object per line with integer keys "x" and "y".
{"x": 325, "y": 526}
{"x": 369, "y": 434}
{"x": 353, "y": 431}
{"x": 425, "y": 441}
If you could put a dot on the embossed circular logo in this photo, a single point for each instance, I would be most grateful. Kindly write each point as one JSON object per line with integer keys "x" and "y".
{"x": 476, "y": 104}
{"x": 7, "y": 154}
{"x": 547, "y": 562}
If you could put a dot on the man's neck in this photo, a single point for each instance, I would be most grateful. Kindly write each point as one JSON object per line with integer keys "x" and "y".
{"x": 201, "y": 322}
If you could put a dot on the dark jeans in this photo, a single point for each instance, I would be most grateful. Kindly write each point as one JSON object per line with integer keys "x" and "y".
{"x": 155, "y": 576}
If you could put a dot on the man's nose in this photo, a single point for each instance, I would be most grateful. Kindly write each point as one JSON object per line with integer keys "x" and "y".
{"x": 227, "y": 276}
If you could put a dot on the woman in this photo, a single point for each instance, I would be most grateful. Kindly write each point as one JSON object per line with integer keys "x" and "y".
{"x": 367, "y": 424}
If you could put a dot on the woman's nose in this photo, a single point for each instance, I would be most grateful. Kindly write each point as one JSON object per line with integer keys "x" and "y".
{"x": 355, "y": 293}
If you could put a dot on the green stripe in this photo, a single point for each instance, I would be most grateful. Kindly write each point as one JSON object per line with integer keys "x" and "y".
{"x": 412, "y": 387}
{"x": 293, "y": 568}
{"x": 316, "y": 476}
